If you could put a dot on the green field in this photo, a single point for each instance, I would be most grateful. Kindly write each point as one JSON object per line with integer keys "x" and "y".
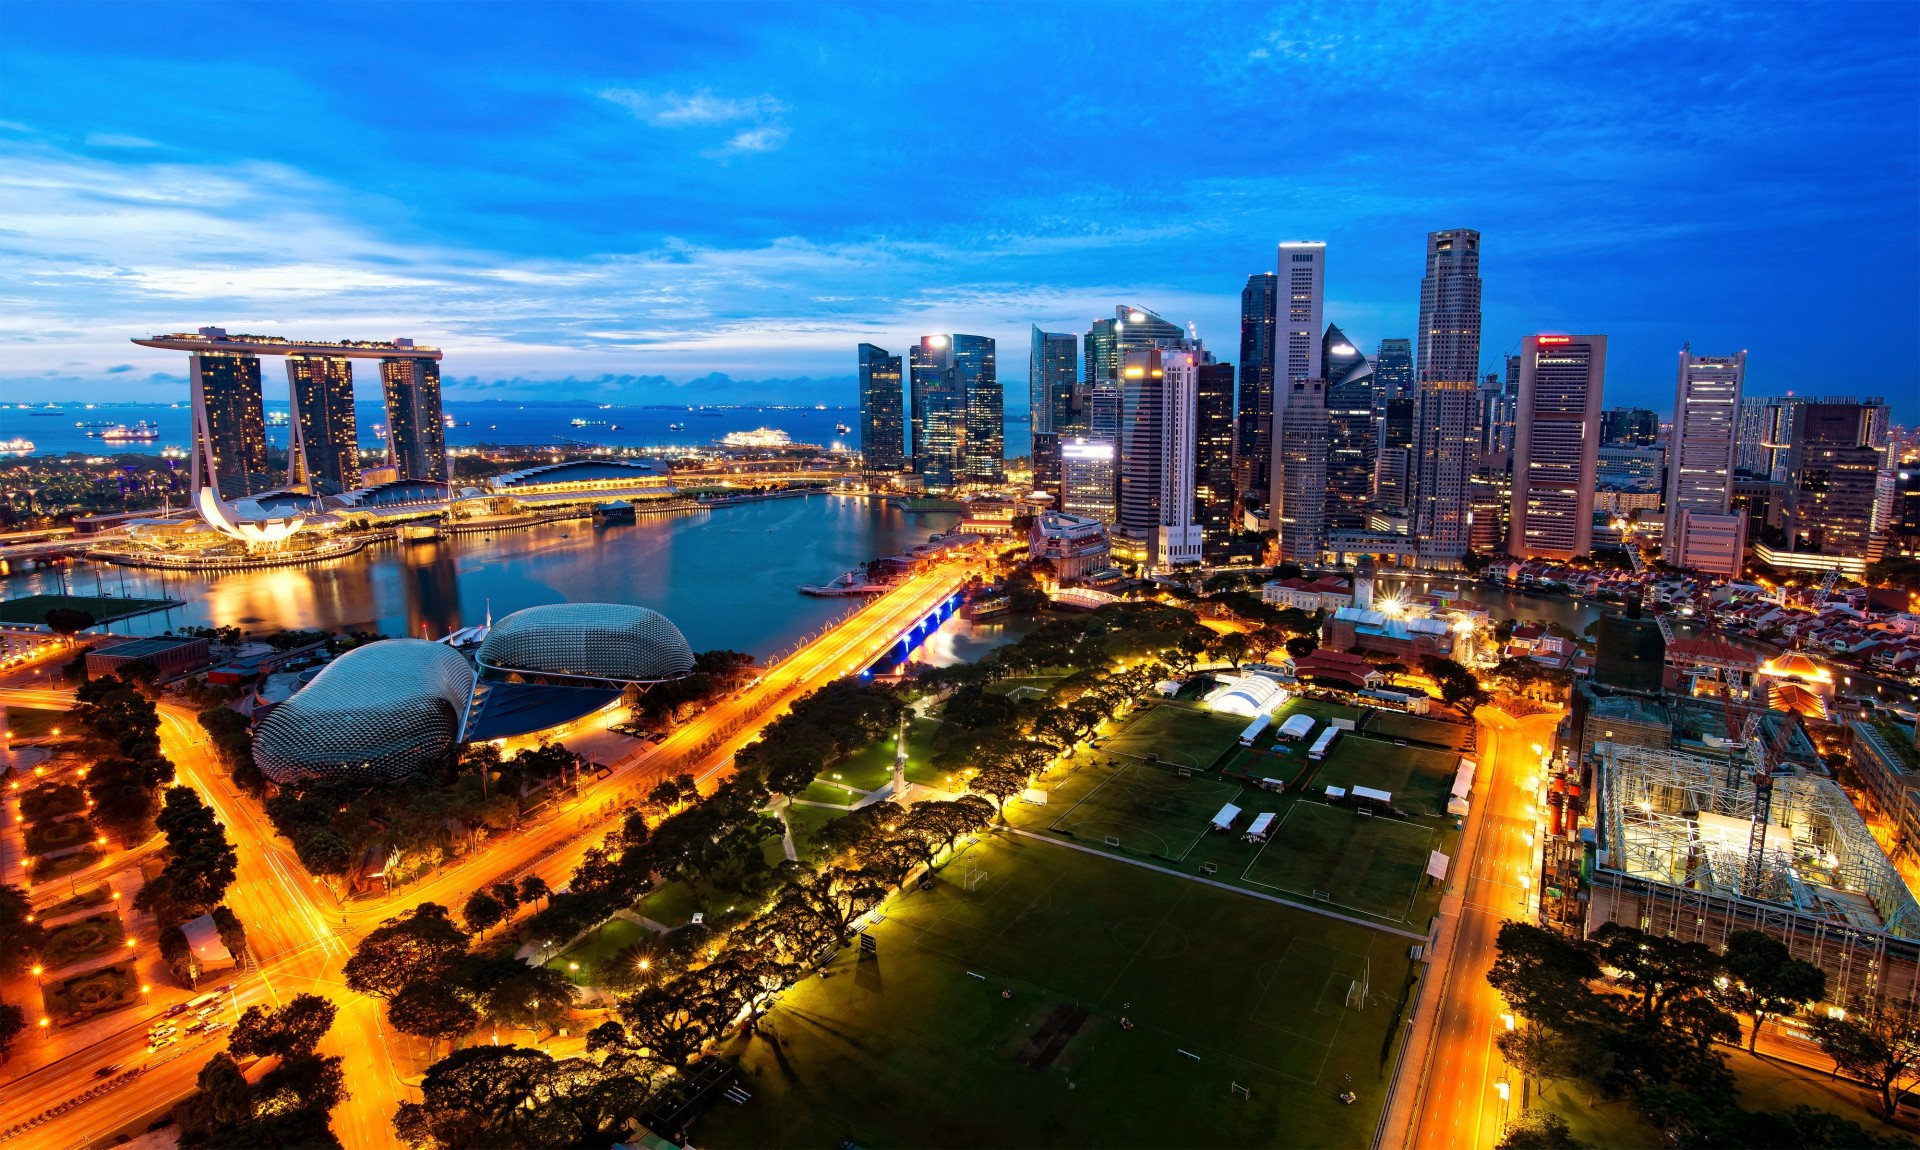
{"x": 917, "y": 1047}
{"x": 804, "y": 821}
{"x": 32, "y": 609}
{"x": 1399, "y": 725}
{"x": 1285, "y": 765}
{"x": 1149, "y": 810}
{"x": 1419, "y": 778}
{"x": 1182, "y": 735}
{"x": 871, "y": 767}
{"x": 1322, "y": 712}
{"x": 584, "y": 959}
{"x": 1371, "y": 865}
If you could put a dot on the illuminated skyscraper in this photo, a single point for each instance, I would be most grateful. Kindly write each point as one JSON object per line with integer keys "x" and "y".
{"x": 1253, "y": 460}
{"x": 1053, "y": 368}
{"x": 324, "y": 455}
{"x": 1087, "y": 478}
{"x": 1214, "y": 505}
{"x": 1556, "y": 446}
{"x": 416, "y": 435}
{"x": 1107, "y": 343}
{"x": 1700, "y": 531}
{"x": 1352, "y": 440}
{"x": 229, "y": 424}
{"x": 1392, "y": 372}
{"x": 1298, "y": 326}
{"x": 984, "y": 442}
{"x": 1834, "y": 479}
{"x": 883, "y": 426}
{"x": 1159, "y": 389}
{"x": 939, "y": 413}
{"x": 1299, "y": 483}
{"x": 1393, "y": 470}
{"x": 1446, "y": 371}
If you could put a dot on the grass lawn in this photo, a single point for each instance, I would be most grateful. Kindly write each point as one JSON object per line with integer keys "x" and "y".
{"x": 1420, "y": 779}
{"x": 580, "y": 963}
{"x": 96, "y": 992}
{"x": 917, "y": 1046}
{"x": 671, "y": 905}
{"x": 59, "y": 835}
{"x": 1372, "y": 865}
{"x": 871, "y": 767}
{"x": 1322, "y": 712}
{"x": 1179, "y": 734}
{"x": 1150, "y": 810}
{"x": 32, "y": 609}
{"x": 33, "y": 723}
{"x": 805, "y": 821}
{"x": 1286, "y": 762}
{"x": 827, "y": 791}
{"x": 1398, "y": 725}
{"x": 85, "y": 938}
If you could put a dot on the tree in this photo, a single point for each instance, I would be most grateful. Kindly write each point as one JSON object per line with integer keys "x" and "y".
{"x": 507, "y": 895}
{"x": 1458, "y": 686}
{"x": 21, "y": 937}
{"x": 1233, "y": 647}
{"x": 432, "y": 1010}
{"x": 483, "y": 912}
{"x": 674, "y": 1020}
{"x": 223, "y": 1099}
{"x": 1540, "y": 1052}
{"x": 12, "y": 1021}
{"x": 1663, "y": 972}
{"x": 473, "y": 1097}
{"x": 293, "y": 1031}
{"x": 533, "y": 888}
{"x": 67, "y": 622}
{"x": 529, "y": 997}
{"x": 1300, "y": 646}
{"x": 1879, "y": 1047}
{"x": 1538, "y": 1130}
{"x": 1764, "y": 979}
{"x": 1543, "y": 974}
{"x": 423, "y": 945}
{"x": 999, "y": 781}
{"x": 200, "y": 860}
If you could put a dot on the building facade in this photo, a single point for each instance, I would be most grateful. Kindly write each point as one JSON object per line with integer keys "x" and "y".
{"x": 1392, "y": 372}
{"x": 983, "y": 455}
{"x": 323, "y": 456}
{"x": 1446, "y": 375}
{"x": 416, "y": 429}
{"x": 1556, "y": 446}
{"x": 1156, "y": 511}
{"x": 1352, "y": 430}
{"x": 1629, "y": 427}
{"x": 1254, "y": 449}
{"x": 1702, "y": 532}
{"x": 938, "y": 413}
{"x": 1075, "y": 545}
{"x": 1299, "y": 322}
{"x": 229, "y": 425}
{"x": 1299, "y": 482}
{"x": 1088, "y": 478}
{"x": 883, "y": 423}
{"x": 1213, "y": 487}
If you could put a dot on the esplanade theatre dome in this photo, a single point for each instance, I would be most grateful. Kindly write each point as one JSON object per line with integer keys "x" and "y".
{"x": 605, "y": 641}
{"x": 377, "y": 712}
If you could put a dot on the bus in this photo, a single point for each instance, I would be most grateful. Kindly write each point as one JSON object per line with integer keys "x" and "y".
{"x": 203, "y": 1003}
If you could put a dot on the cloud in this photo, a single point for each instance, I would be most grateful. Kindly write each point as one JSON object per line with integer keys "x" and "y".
{"x": 114, "y": 140}
{"x": 765, "y": 132}
{"x": 766, "y": 138}
{"x": 117, "y": 368}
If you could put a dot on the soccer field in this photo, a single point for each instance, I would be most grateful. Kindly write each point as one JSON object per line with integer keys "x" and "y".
{"x": 1178, "y": 734}
{"x": 1335, "y": 855}
{"x": 1148, "y": 810}
{"x": 1395, "y": 725}
{"x": 917, "y": 1046}
{"x": 1419, "y": 778}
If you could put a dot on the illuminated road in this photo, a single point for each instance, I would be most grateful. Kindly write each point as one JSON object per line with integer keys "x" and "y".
{"x": 301, "y": 935}
{"x": 1459, "y": 1106}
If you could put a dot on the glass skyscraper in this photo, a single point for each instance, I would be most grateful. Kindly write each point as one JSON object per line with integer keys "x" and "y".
{"x": 1214, "y": 506}
{"x": 324, "y": 456}
{"x": 229, "y": 424}
{"x": 984, "y": 437}
{"x": 939, "y": 412}
{"x": 1053, "y": 364}
{"x": 416, "y": 435}
{"x": 1254, "y": 455}
{"x": 1351, "y": 443}
{"x": 1446, "y": 382}
{"x": 883, "y": 427}
{"x": 1392, "y": 372}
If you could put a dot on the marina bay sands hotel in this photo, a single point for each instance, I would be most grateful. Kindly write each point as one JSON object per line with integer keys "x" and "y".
{"x": 229, "y": 420}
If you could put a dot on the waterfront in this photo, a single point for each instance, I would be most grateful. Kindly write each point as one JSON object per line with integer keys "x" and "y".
{"x": 728, "y": 577}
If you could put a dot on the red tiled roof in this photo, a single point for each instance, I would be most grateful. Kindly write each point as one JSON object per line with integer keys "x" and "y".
{"x": 1710, "y": 649}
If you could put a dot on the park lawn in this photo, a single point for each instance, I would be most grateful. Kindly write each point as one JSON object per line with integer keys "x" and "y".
{"x": 581, "y": 962}
{"x": 1286, "y": 762}
{"x": 671, "y": 905}
{"x": 1400, "y": 725}
{"x": 1149, "y": 810}
{"x": 871, "y": 767}
{"x": 827, "y": 791}
{"x": 804, "y": 821}
{"x": 1176, "y": 733}
{"x": 910, "y": 1048}
{"x": 1419, "y": 778}
{"x": 31, "y": 610}
{"x": 34, "y": 723}
{"x": 1372, "y": 865}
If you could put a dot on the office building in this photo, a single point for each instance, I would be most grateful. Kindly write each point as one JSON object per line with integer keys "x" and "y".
{"x": 1392, "y": 372}
{"x": 1490, "y": 493}
{"x": 229, "y": 425}
{"x": 1299, "y": 482}
{"x": 1107, "y": 343}
{"x": 939, "y": 413}
{"x": 323, "y": 457}
{"x": 1215, "y": 508}
{"x": 1351, "y": 432}
{"x": 1088, "y": 478}
{"x": 1446, "y": 374}
{"x": 1833, "y": 483}
{"x": 1702, "y": 532}
{"x": 1053, "y": 365}
{"x": 416, "y": 431}
{"x": 1632, "y": 468}
{"x": 1297, "y": 334}
{"x": 1629, "y": 427}
{"x": 984, "y": 436}
{"x": 1076, "y": 546}
{"x": 1497, "y": 411}
{"x": 1253, "y": 458}
{"x": 1556, "y": 446}
{"x": 883, "y": 423}
{"x": 1393, "y": 466}
{"x": 1160, "y": 394}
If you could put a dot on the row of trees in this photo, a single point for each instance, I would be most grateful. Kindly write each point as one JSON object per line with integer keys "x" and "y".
{"x": 289, "y": 1105}
{"x": 122, "y": 735}
{"x": 200, "y": 866}
{"x": 1648, "y": 1035}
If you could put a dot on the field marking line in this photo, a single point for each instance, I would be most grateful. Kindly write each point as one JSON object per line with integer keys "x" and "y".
{"x": 1132, "y": 958}
{"x": 1229, "y": 887}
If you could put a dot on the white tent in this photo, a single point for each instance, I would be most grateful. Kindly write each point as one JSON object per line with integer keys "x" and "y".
{"x": 1262, "y": 825}
{"x": 1297, "y": 727}
{"x": 1224, "y": 820}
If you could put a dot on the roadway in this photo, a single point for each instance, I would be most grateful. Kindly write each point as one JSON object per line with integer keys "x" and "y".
{"x": 301, "y": 934}
{"x": 1459, "y": 1105}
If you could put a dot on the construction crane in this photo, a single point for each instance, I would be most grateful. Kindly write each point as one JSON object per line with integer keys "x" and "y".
{"x": 1771, "y": 752}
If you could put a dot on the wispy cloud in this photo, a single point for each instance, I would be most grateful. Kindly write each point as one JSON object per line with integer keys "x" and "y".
{"x": 765, "y": 130}
{"x": 116, "y": 140}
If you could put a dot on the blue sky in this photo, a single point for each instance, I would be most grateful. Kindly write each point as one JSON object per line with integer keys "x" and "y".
{"x": 715, "y": 202}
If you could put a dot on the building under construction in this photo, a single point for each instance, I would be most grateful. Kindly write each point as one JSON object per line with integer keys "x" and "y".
{"x": 1696, "y": 848}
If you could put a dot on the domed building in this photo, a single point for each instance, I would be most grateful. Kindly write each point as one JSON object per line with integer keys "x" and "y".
{"x": 378, "y": 712}
{"x": 602, "y": 642}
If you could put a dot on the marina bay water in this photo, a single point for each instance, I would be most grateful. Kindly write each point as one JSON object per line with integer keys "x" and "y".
{"x": 728, "y": 577}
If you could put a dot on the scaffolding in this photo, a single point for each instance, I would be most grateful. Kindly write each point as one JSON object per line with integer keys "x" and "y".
{"x": 1675, "y": 836}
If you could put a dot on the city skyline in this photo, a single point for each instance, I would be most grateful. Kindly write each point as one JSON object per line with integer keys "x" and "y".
{"x": 618, "y": 289}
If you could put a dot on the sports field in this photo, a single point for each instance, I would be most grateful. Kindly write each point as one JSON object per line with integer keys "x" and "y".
{"x": 1179, "y": 734}
{"x": 1285, "y": 766}
{"x": 917, "y": 1046}
{"x": 1397, "y": 725}
{"x": 1338, "y": 856}
{"x": 32, "y": 609}
{"x": 1147, "y": 809}
{"x": 1419, "y": 778}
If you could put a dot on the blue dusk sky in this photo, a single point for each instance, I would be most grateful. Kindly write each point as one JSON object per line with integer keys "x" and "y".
{"x": 714, "y": 203}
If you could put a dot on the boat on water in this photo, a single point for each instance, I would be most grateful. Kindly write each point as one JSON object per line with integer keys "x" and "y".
{"x": 841, "y": 429}
{"x": 18, "y": 445}
{"x": 758, "y": 437}
{"x": 676, "y": 427}
{"x": 88, "y": 423}
{"x": 141, "y": 432}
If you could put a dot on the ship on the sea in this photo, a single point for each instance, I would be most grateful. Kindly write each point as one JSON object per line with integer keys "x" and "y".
{"x": 758, "y": 437}
{"x": 841, "y": 429}
{"x": 141, "y": 432}
{"x": 18, "y": 445}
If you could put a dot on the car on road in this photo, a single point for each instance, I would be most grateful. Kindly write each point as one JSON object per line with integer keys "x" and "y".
{"x": 161, "y": 1043}
{"x": 196, "y": 1026}
{"x": 104, "y": 1071}
{"x": 176, "y": 1008}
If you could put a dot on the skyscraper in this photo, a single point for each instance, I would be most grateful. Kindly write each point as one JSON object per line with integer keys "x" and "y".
{"x": 1392, "y": 372}
{"x": 1053, "y": 362}
{"x": 1213, "y": 488}
{"x": 883, "y": 424}
{"x": 1393, "y": 470}
{"x": 1496, "y": 413}
{"x": 1087, "y": 478}
{"x": 1253, "y": 460}
{"x": 1446, "y": 368}
{"x": 1299, "y": 483}
{"x": 1159, "y": 390}
{"x": 984, "y": 443}
{"x": 939, "y": 413}
{"x": 1700, "y": 531}
{"x": 1107, "y": 343}
{"x": 1834, "y": 479}
{"x": 1303, "y": 281}
{"x": 229, "y": 424}
{"x": 416, "y": 434}
{"x": 1351, "y": 444}
{"x": 1556, "y": 446}
{"x": 1629, "y": 427}
{"x": 324, "y": 454}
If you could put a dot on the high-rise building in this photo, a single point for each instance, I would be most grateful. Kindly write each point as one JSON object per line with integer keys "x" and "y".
{"x": 1490, "y": 494}
{"x": 1299, "y": 482}
{"x": 1107, "y": 343}
{"x": 1254, "y": 455}
{"x": 1352, "y": 430}
{"x": 984, "y": 442}
{"x": 1213, "y": 488}
{"x": 1556, "y": 446}
{"x": 324, "y": 454}
{"x": 1156, "y": 515}
{"x": 1834, "y": 479}
{"x": 939, "y": 413}
{"x": 1393, "y": 470}
{"x": 1392, "y": 372}
{"x": 229, "y": 424}
{"x": 1053, "y": 364}
{"x": 1629, "y": 427}
{"x": 883, "y": 424}
{"x": 1701, "y": 531}
{"x": 1303, "y": 281}
{"x": 1087, "y": 478}
{"x": 1904, "y": 528}
{"x": 416, "y": 432}
{"x": 1446, "y": 374}
{"x": 1497, "y": 411}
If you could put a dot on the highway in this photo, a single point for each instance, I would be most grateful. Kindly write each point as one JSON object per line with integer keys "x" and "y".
{"x": 301, "y": 935}
{"x": 1459, "y": 1105}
